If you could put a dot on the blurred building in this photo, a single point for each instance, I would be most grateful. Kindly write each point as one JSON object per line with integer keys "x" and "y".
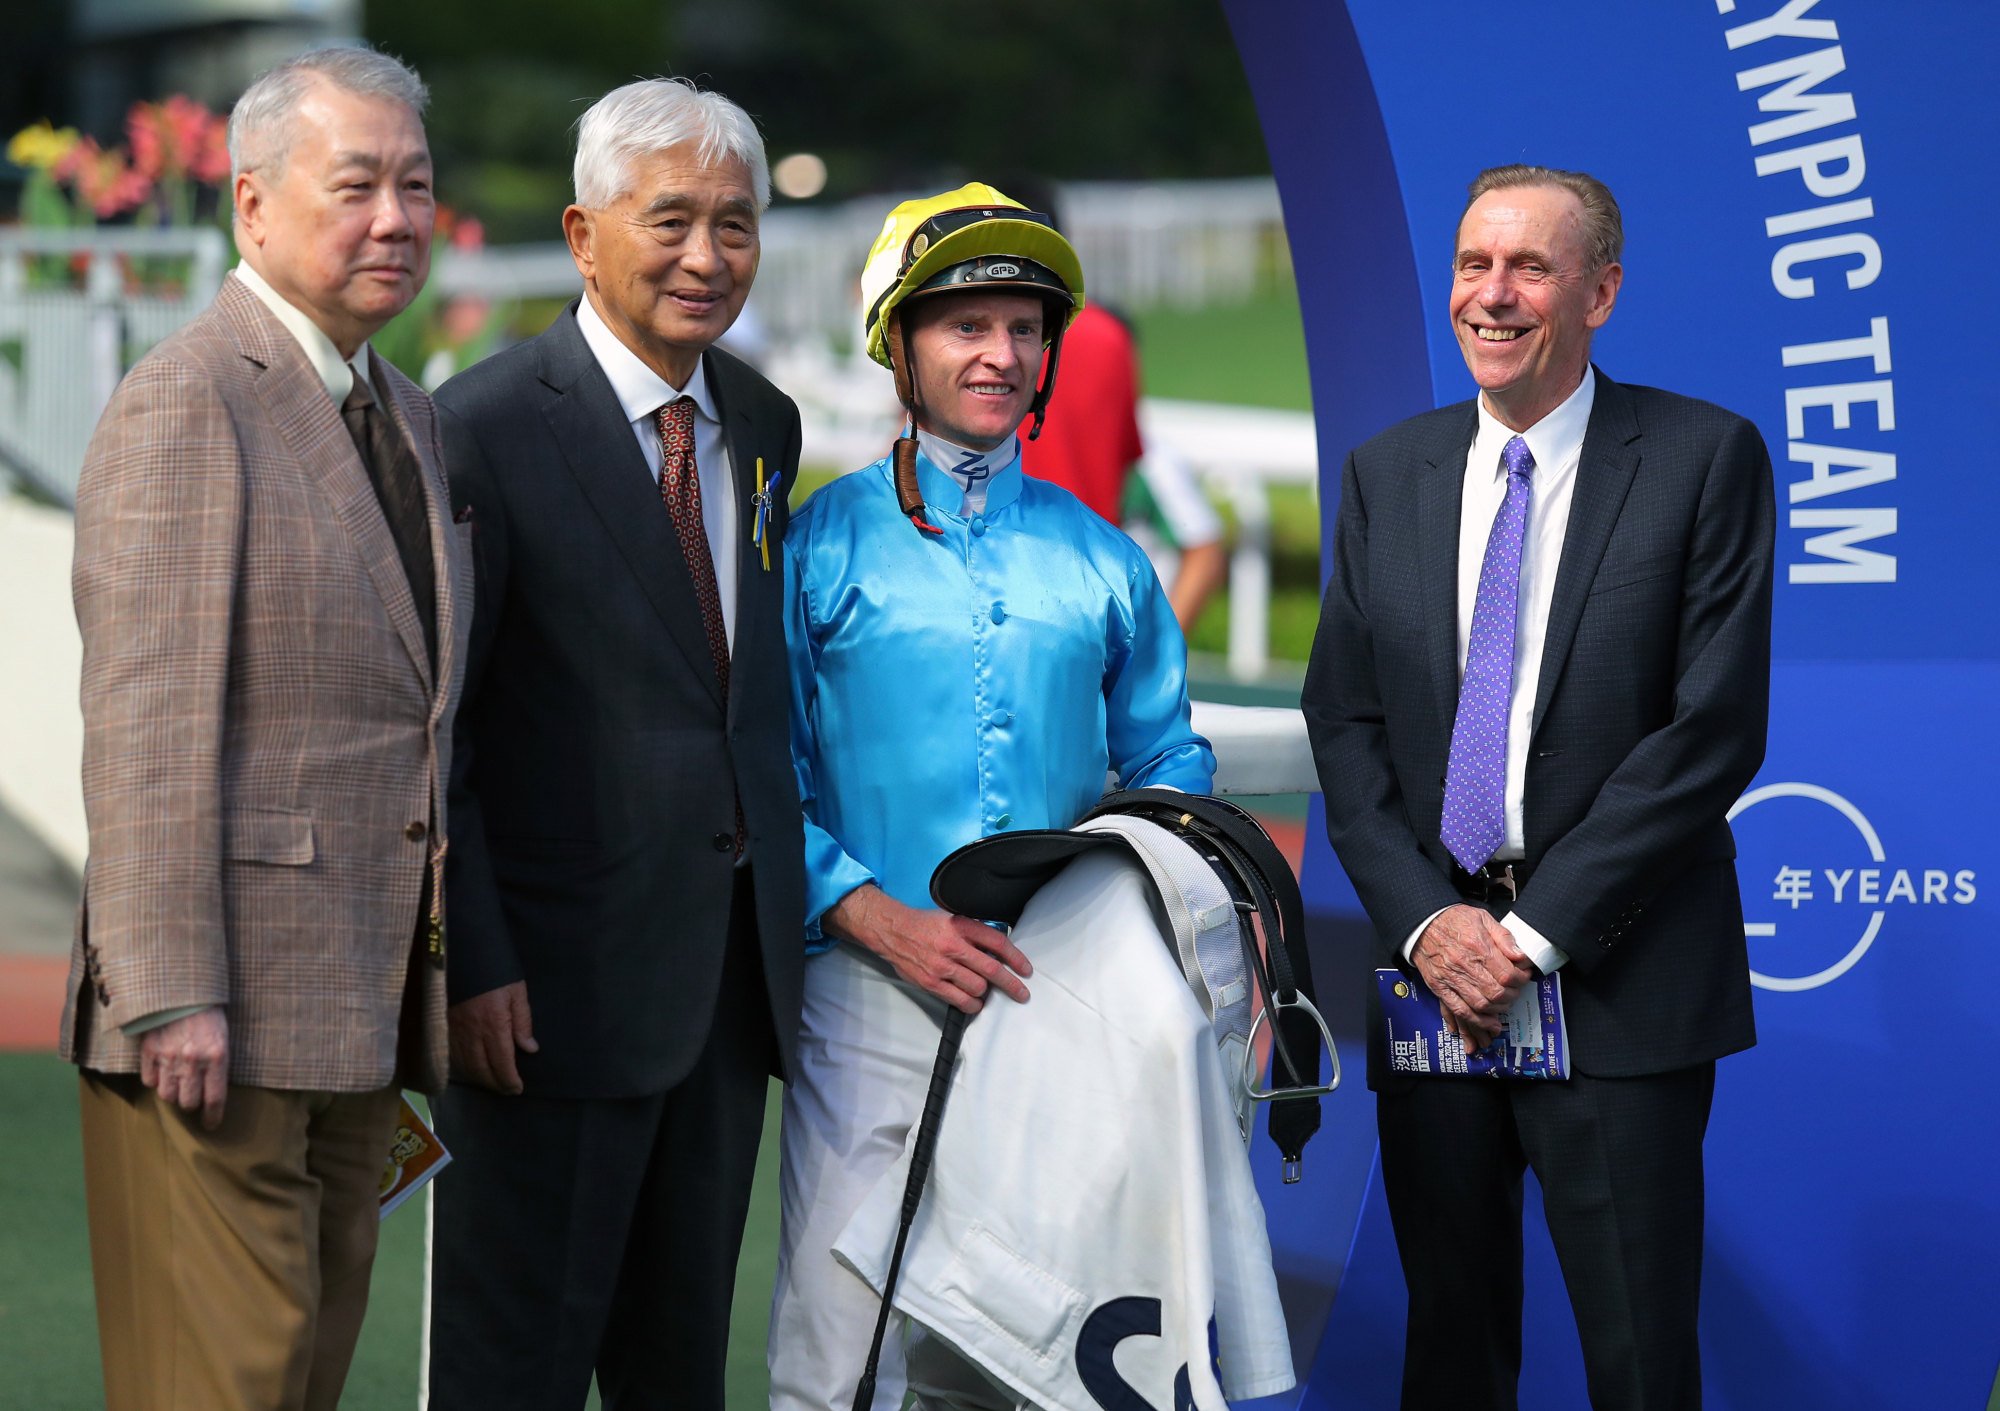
{"x": 83, "y": 63}
{"x": 124, "y": 50}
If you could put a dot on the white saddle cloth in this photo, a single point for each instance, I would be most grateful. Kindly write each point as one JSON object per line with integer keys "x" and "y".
{"x": 1091, "y": 1224}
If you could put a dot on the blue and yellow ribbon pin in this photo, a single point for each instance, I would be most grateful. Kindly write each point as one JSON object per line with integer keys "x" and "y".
{"x": 760, "y": 533}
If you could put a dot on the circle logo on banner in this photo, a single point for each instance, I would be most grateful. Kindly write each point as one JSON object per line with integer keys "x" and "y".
{"x": 1819, "y": 886}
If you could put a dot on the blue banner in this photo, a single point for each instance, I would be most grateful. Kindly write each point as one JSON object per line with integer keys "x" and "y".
{"x": 1806, "y": 201}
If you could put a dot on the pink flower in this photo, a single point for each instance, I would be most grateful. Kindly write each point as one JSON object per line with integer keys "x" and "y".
{"x": 107, "y": 180}
{"x": 149, "y": 149}
{"x": 178, "y": 137}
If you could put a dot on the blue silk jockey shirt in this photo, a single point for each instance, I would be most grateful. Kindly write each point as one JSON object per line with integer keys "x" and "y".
{"x": 948, "y": 686}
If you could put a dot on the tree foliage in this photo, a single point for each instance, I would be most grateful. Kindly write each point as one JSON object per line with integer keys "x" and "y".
{"x": 890, "y": 93}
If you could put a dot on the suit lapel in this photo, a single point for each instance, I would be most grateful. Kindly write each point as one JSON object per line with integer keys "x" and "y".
{"x": 437, "y": 514}
{"x": 1441, "y": 496}
{"x": 296, "y": 399}
{"x": 752, "y": 582}
{"x": 1603, "y": 478}
{"x": 596, "y": 443}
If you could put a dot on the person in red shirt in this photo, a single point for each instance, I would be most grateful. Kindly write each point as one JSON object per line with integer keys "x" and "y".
{"x": 1090, "y": 440}
{"x": 1091, "y": 437}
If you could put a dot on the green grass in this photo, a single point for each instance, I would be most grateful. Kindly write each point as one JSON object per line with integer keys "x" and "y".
{"x": 48, "y": 1317}
{"x": 1252, "y": 353}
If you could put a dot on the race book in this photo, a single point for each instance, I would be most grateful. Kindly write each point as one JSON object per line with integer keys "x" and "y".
{"x": 1533, "y": 1042}
{"x": 415, "y": 1156}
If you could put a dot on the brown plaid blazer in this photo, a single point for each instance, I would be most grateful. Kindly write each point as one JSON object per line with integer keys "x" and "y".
{"x": 264, "y": 737}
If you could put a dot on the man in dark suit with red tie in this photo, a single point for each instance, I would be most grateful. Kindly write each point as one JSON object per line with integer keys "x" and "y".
{"x": 626, "y": 877}
{"x": 1541, "y": 678}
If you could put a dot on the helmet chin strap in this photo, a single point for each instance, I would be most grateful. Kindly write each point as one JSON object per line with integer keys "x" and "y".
{"x": 903, "y": 456}
{"x": 1040, "y": 406}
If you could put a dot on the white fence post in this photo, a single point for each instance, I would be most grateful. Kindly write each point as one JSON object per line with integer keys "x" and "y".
{"x": 74, "y": 344}
{"x": 1250, "y": 580}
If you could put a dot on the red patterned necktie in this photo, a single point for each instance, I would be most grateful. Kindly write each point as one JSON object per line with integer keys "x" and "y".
{"x": 680, "y": 487}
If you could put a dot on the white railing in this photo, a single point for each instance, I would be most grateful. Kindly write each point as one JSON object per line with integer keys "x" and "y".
{"x": 1240, "y": 453}
{"x": 63, "y": 348}
{"x": 1143, "y": 244}
{"x": 1259, "y": 749}
{"x": 68, "y": 334}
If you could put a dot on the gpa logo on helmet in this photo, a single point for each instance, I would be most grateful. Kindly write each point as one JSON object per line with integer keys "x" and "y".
{"x": 1000, "y": 269}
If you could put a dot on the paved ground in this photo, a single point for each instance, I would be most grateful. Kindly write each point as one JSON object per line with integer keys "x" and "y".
{"x": 37, "y": 894}
{"x": 37, "y": 909}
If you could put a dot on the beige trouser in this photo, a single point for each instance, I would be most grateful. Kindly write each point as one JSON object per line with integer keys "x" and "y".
{"x": 231, "y": 1266}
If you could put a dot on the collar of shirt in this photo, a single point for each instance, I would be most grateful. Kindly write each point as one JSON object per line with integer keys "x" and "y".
{"x": 640, "y": 390}
{"x": 950, "y": 474}
{"x": 339, "y": 374}
{"x": 973, "y": 470}
{"x": 1556, "y": 441}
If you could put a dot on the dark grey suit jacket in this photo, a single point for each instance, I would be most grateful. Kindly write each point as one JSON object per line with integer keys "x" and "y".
{"x": 1649, "y": 718}
{"x": 595, "y": 768}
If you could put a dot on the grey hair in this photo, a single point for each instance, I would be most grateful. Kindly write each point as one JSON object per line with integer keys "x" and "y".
{"x": 261, "y": 126}
{"x": 1603, "y": 226}
{"x": 650, "y": 116}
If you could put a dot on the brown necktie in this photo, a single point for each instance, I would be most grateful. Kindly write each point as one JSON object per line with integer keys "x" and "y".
{"x": 398, "y": 480}
{"x": 680, "y": 488}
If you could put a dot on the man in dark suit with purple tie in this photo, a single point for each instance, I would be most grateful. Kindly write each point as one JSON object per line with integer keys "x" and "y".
{"x": 1540, "y": 680}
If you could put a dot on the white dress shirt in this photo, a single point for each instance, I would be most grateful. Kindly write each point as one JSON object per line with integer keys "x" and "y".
{"x": 337, "y": 373}
{"x": 641, "y": 392}
{"x": 1556, "y": 443}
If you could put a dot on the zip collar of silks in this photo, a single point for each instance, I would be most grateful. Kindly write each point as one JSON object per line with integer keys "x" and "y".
{"x": 962, "y": 483}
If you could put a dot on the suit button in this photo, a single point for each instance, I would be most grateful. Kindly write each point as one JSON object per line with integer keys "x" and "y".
{"x": 999, "y": 614}
{"x": 724, "y": 842}
{"x": 103, "y": 995}
{"x": 414, "y": 832}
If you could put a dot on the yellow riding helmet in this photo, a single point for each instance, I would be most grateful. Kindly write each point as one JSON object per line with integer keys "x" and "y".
{"x": 973, "y": 238}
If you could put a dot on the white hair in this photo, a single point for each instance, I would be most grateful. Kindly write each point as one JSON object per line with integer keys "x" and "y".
{"x": 650, "y": 116}
{"x": 261, "y": 126}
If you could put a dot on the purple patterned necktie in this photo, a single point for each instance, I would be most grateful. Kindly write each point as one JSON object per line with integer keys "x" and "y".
{"x": 1475, "y": 787}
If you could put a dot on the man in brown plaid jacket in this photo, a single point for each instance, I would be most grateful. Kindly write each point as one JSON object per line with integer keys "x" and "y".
{"x": 273, "y": 596}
